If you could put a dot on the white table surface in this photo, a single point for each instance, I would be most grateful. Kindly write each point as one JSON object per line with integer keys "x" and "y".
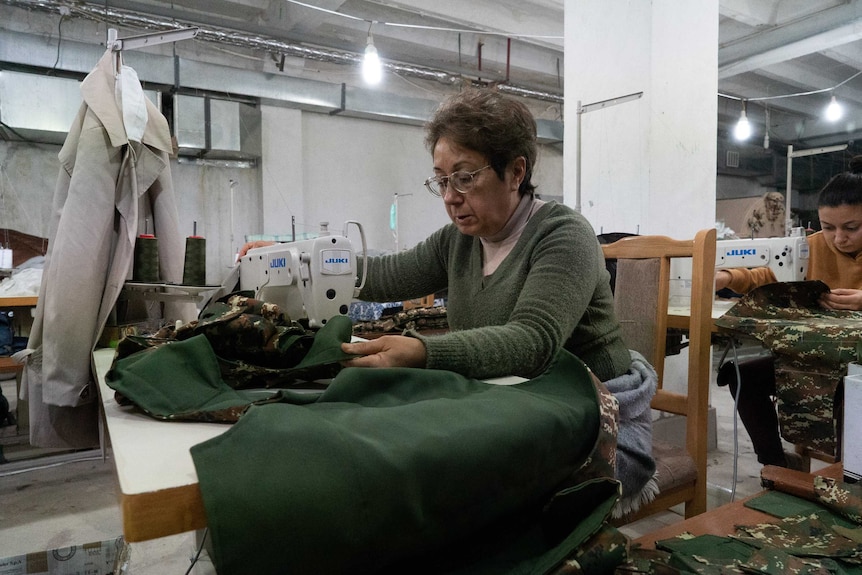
{"x": 150, "y": 454}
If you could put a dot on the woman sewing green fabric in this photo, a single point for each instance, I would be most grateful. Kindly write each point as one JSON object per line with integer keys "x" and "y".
{"x": 524, "y": 277}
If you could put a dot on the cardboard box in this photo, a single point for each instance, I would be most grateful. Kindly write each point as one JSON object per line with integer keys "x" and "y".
{"x": 87, "y": 559}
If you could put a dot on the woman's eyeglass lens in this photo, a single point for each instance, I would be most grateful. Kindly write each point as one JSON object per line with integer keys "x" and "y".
{"x": 461, "y": 181}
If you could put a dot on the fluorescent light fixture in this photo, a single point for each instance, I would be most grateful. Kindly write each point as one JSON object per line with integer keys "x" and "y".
{"x": 372, "y": 69}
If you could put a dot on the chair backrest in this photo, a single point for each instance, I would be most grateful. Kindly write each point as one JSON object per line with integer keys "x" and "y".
{"x": 642, "y": 303}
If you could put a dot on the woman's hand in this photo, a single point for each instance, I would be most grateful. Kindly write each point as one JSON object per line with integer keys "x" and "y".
{"x": 722, "y": 279}
{"x": 249, "y": 245}
{"x": 842, "y": 298}
{"x": 386, "y": 351}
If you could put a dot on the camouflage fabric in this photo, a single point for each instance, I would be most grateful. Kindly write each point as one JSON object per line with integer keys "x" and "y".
{"x": 602, "y": 459}
{"x": 416, "y": 318}
{"x": 812, "y": 347}
{"x": 842, "y": 498}
{"x": 599, "y": 554}
{"x": 647, "y": 561}
{"x": 771, "y": 560}
{"x": 256, "y": 344}
{"x": 801, "y": 536}
{"x": 715, "y": 555}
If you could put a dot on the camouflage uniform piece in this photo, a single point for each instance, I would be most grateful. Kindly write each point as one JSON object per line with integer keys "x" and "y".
{"x": 771, "y": 560}
{"x": 411, "y": 319}
{"x": 256, "y": 344}
{"x": 602, "y": 459}
{"x": 842, "y": 498}
{"x": 801, "y": 536}
{"x": 812, "y": 347}
{"x": 798, "y": 545}
{"x": 647, "y": 561}
{"x": 599, "y": 554}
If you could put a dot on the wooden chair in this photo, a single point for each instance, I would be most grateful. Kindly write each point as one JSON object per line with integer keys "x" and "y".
{"x": 641, "y": 299}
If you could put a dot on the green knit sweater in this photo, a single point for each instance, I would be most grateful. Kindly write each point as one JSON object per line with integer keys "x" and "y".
{"x": 552, "y": 290}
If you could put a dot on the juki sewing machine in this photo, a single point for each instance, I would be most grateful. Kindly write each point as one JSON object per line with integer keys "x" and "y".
{"x": 311, "y": 280}
{"x": 787, "y": 256}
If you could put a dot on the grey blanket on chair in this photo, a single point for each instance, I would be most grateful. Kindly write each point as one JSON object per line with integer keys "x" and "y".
{"x": 635, "y": 465}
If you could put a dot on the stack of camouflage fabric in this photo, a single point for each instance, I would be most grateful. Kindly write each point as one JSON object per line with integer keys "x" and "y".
{"x": 812, "y": 347}
{"x": 823, "y": 536}
{"x": 256, "y": 344}
{"x": 419, "y": 318}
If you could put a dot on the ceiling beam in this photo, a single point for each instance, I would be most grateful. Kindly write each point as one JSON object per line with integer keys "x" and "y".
{"x": 820, "y": 31}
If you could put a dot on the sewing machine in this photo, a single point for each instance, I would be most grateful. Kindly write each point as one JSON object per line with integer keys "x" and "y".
{"x": 311, "y": 280}
{"x": 787, "y": 257}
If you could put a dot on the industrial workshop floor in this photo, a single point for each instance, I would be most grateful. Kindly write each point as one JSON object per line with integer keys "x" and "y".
{"x": 69, "y": 504}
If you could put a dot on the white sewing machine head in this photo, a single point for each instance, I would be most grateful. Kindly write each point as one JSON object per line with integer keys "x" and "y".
{"x": 787, "y": 257}
{"x": 310, "y": 279}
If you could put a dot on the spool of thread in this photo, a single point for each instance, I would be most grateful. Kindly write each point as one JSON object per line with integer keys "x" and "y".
{"x": 195, "y": 264}
{"x": 146, "y": 265}
{"x": 6, "y": 259}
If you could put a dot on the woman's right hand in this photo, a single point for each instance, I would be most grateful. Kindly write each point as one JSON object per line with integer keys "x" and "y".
{"x": 842, "y": 298}
{"x": 722, "y": 279}
{"x": 256, "y": 244}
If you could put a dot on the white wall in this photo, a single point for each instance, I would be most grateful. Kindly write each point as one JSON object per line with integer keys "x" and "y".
{"x": 350, "y": 169}
{"x": 648, "y": 165}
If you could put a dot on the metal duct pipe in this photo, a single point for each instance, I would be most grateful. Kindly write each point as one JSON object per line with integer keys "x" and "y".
{"x": 131, "y": 19}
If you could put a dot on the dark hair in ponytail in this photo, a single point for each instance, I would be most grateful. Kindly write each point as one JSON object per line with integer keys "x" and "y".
{"x": 844, "y": 188}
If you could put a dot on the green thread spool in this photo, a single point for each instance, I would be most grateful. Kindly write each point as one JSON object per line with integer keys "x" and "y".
{"x": 146, "y": 264}
{"x": 195, "y": 265}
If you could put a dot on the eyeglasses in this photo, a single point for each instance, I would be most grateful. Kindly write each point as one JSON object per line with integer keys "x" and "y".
{"x": 462, "y": 181}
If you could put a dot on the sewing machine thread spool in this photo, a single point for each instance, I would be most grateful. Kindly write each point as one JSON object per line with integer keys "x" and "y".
{"x": 6, "y": 258}
{"x": 146, "y": 263}
{"x": 195, "y": 264}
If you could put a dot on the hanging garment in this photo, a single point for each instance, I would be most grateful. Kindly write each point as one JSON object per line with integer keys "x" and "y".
{"x": 107, "y": 186}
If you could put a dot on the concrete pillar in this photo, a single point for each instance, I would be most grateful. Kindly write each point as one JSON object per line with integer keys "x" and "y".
{"x": 648, "y": 165}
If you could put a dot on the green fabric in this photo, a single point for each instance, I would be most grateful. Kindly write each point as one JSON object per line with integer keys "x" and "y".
{"x": 693, "y": 552}
{"x": 780, "y": 504}
{"x": 784, "y": 505}
{"x": 181, "y": 380}
{"x": 552, "y": 291}
{"x": 809, "y": 538}
{"x": 391, "y": 465}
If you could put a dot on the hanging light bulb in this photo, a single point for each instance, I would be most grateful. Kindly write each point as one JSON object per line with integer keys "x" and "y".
{"x": 742, "y": 130}
{"x": 834, "y": 110}
{"x": 372, "y": 69}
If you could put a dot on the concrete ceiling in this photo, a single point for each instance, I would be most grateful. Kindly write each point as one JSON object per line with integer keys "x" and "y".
{"x": 768, "y": 49}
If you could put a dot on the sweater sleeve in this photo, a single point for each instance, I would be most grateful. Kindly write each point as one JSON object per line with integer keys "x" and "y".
{"x": 544, "y": 291}
{"x": 743, "y": 280}
{"x": 412, "y": 273}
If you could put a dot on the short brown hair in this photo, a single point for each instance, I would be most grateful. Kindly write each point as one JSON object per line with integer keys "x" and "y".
{"x": 497, "y": 127}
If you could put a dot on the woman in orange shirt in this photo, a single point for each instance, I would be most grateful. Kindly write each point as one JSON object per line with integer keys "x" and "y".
{"x": 835, "y": 258}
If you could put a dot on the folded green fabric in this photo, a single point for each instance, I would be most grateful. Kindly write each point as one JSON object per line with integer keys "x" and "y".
{"x": 394, "y": 467}
{"x": 181, "y": 380}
